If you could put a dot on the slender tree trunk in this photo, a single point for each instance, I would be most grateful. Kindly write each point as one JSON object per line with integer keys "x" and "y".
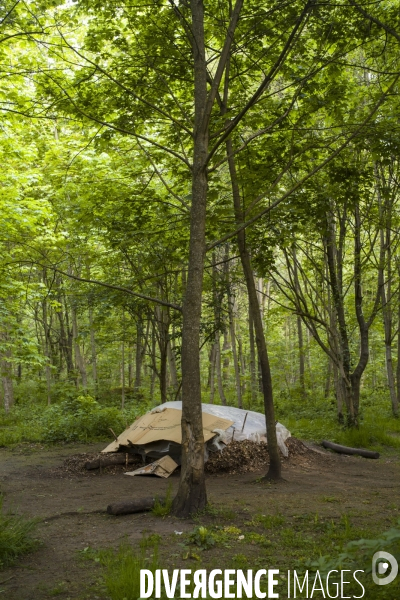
{"x": 274, "y": 471}
{"x": 253, "y": 376}
{"x": 398, "y": 342}
{"x": 122, "y": 374}
{"x": 6, "y": 374}
{"x": 138, "y": 357}
{"x": 327, "y": 388}
{"x": 301, "y": 354}
{"x": 386, "y": 299}
{"x": 242, "y": 363}
{"x": 47, "y": 351}
{"x": 192, "y": 495}
{"x": 212, "y": 373}
{"x": 153, "y": 360}
{"x": 219, "y": 369}
{"x": 225, "y": 348}
{"x": 299, "y": 326}
{"x": 93, "y": 351}
{"x": 163, "y": 373}
{"x": 172, "y": 366}
{"x": 80, "y": 363}
{"x": 65, "y": 346}
{"x": 232, "y": 329}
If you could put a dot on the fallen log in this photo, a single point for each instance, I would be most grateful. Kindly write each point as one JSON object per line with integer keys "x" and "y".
{"x": 109, "y": 461}
{"x": 133, "y": 506}
{"x": 347, "y": 450}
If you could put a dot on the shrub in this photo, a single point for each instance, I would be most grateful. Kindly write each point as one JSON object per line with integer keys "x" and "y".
{"x": 79, "y": 419}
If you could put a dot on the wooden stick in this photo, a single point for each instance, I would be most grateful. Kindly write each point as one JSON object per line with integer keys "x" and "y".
{"x": 113, "y": 432}
{"x": 8, "y": 579}
{"x": 244, "y": 422}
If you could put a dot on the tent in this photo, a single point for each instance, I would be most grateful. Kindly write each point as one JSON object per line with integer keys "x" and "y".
{"x": 158, "y": 432}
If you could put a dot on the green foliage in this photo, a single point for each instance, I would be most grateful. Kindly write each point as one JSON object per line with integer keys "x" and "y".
{"x": 122, "y": 567}
{"x": 16, "y": 536}
{"x": 358, "y": 554}
{"x": 162, "y": 509}
{"x": 201, "y": 537}
{"x": 267, "y": 521}
{"x": 315, "y": 419}
{"x": 77, "y": 419}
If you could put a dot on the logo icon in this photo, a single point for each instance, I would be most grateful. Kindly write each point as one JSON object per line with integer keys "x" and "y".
{"x": 381, "y": 561}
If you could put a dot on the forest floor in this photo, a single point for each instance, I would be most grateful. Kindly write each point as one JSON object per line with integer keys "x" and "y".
{"x": 357, "y": 495}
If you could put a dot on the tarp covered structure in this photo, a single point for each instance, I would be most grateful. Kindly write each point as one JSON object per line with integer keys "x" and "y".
{"x": 158, "y": 432}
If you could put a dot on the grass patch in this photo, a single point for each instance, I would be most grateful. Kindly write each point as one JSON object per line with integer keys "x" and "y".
{"x": 162, "y": 509}
{"x": 122, "y": 567}
{"x": 16, "y": 536}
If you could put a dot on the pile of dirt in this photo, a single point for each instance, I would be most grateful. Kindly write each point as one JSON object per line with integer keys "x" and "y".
{"x": 247, "y": 456}
{"x": 75, "y": 465}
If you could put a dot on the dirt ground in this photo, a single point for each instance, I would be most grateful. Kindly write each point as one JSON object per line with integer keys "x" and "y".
{"x": 71, "y": 508}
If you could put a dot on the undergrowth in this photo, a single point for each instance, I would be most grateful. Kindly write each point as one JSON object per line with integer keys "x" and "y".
{"x": 83, "y": 419}
{"x": 121, "y": 567}
{"x": 305, "y": 541}
{"x": 162, "y": 507}
{"x": 80, "y": 419}
{"x": 16, "y": 536}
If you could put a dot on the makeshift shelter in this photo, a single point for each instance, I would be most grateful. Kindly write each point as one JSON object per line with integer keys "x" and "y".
{"x": 158, "y": 433}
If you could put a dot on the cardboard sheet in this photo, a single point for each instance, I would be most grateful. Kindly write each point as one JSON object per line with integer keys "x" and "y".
{"x": 163, "y": 467}
{"x": 165, "y": 425}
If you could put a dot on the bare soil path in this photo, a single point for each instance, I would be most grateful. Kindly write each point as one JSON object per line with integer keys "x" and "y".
{"x": 71, "y": 509}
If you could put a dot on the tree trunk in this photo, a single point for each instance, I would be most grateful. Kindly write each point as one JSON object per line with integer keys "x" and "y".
{"x": 172, "y": 366}
{"x": 212, "y": 373}
{"x": 232, "y": 328}
{"x": 225, "y": 348}
{"x": 122, "y": 374}
{"x": 93, "y": 351}
{"x": 398, "y": 342}
{"x": 192, "y": 495}
{"x": 153, "y": 362}
{"x": 163, "y": 373}
{"x": 79, "y": 359}
{"x": 242, "y": 363}
{"x": 339, "y": 394}
{"x": 47, "y": 351}
{"x": 219, "y": 369}
{"x": 6, "y": 375}
{"x": 217, "y": 324}
{"x": 299, "y": 327}
{"x": 274, "y": 471}
{"x": 138, "y": 357}
{"x": 386, "y": 299}
{"x": 65, "y": 346}
{"x": 327, "y": 388}
{"x": 253, "y": 376}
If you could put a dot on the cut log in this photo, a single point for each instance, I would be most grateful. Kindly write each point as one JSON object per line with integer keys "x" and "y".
{"x": 133, "y": 506}
{"x": 108, "y": 461}
{"x": 347, "y": 450}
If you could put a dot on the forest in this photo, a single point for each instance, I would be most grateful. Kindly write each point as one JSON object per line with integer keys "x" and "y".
{"x": 200, "y": 201}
